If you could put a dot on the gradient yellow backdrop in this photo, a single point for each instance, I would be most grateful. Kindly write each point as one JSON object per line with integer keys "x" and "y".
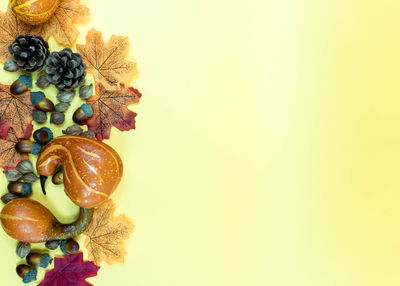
{"x": 267, "y": 145}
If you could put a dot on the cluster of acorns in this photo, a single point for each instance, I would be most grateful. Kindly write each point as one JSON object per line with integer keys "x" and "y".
{"x": 28, "y": 272}
{"x": 64, "y": 69}
{"x": 20, "y": 185}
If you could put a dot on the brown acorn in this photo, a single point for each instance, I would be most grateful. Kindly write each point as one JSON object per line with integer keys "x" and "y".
{"x": 24, "y": 146}
{"x": 18, "y": 88}
{"x": 69, "y": 246}
{"x": 19, "y": 188}
{"x": 43, "y": 135}
{"x": 45, "y": 105}
{"x": 27, "y": 273}
{"x": 39, "y": 259}
{"x": 23, "y": 269}
{"x": 82, "y": 113}
{"x": 58, "y": 178}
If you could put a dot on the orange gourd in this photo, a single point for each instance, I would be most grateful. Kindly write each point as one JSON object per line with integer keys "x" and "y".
{"x": 34, "y": 12}
{"x": 91, "y": 169}
{"x": 29, "y": 221}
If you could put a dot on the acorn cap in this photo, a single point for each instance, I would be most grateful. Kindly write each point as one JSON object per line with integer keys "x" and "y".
{"x": 26, "y": 189}
{"x": 30, "y": 276}
{"x": 87, "y": 109}
{"x": 26, "y": 79}
{"x": 36, "y": 148}
{"x": 46, "y": 260}
{"x": 36, "y": 97}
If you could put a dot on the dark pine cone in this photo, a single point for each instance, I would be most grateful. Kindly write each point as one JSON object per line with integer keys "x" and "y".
{"x": 65, "y": 69}
{"x": 29, "y": 52}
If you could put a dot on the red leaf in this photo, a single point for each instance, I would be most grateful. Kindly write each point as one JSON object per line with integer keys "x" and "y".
{"x": 110, "y": 109}
{"x": 70, "y": 270}
{"x": 15, "y": 112}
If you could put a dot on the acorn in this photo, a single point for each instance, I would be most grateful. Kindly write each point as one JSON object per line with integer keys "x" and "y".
{"x": 39, "y": 259}
{"x": 19, "y": 188}
{"x": 27, "y": 273}
{"x": 9, "y": 197}
{"x": 69, "y": 246}
{"x": 41, "y": 102}
{"x": 45, "y": 105}
{"x": 52, "y": 244}
{"x": 43, "y": 135}
{"x": 58, "y": 178}
{"x": 23, "y": 249}
{"x": 24, "y": 146}
{"x": 83, "y": 113}
{"x": 27, "y": 146}
{"x": 18, "y": 88}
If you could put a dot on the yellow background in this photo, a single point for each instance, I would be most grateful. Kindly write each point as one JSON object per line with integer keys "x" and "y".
{"x": 267, "y": 143}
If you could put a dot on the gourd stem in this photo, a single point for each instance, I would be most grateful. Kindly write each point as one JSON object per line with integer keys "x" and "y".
{"x": 65, "y": 231}
{"x": 42, "y": 183}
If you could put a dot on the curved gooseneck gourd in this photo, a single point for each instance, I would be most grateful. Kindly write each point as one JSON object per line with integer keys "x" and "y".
{"x": 29, "y": 221}
{"x": 91, "y": 169}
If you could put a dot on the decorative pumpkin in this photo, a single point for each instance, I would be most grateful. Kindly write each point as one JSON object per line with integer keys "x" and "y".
{"x": 91, "y": 169}
{"x": 29, "y": 221}
{"x": 34, "y": 12}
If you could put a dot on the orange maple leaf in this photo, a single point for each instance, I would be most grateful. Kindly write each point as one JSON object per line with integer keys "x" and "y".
{"x": 106, "y": 233}
{"x": 9, "y": 157}
{"x": 10, "y": 28}
{"x": 60, "y": 25}
{"x": 106, "y": 61}
{"x": 110, "y": 109}
{"x": 15, "y": 112}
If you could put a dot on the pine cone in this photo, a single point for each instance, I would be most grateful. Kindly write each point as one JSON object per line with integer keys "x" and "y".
{"x": 29, "y": 52}
{"x": 65, "y": 70}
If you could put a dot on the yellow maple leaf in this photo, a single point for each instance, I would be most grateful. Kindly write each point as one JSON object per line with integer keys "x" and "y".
{"x": 105, "y": 235}
{"x": 106, "y": 61}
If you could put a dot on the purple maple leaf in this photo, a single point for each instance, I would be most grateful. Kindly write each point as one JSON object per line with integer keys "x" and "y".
{"x": 70, "y": 270}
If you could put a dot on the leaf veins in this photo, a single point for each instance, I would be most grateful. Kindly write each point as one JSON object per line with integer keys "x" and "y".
{"x": 70, "y": 270}
{"x": 9, "y": 157}
{"x": 106, "y": 61}
{"x": 15, "y": 112}
{"x": 60, "y": 25}
{"x": 105, "y": 235}
{"x": 110, "y": 109}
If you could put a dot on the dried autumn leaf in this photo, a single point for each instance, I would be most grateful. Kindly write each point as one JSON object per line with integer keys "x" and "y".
{"x": 10, "y": 28}
{"x": 107, "y": 61}
{"x": 105, "y": 235}
{"x": 15, "y": 112}
{"x": 110, "y": 109}
{"x": 70, "y": 270}
{"x": 9, "y": 157}
{"x": 61, "y": 24}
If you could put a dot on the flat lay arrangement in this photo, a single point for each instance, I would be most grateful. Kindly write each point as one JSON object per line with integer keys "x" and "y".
{"x": 87, "y": 84}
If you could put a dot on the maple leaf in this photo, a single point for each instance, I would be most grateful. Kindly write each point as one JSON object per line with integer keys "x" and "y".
{"x": 10, "y": 28}
{"x": 61, "y": 24}
{"x": 105, "y": 235}
{"x": 70, "y": 270}
{"x": 15, "y": 112}
{"x": 9, "y": 157}
{"x": 107, "y": 61}
{"x": 110, "y": 109}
